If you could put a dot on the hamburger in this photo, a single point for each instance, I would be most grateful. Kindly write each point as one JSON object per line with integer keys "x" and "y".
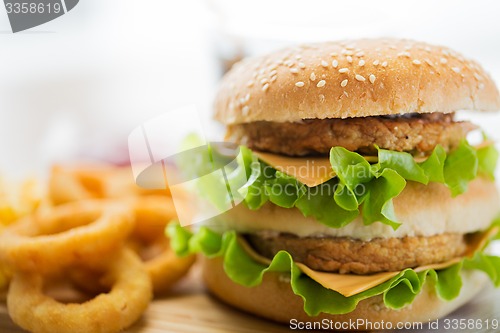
{"x": 364, "y": 200}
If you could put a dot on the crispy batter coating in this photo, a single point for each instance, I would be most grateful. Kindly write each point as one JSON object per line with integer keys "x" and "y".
{"x": 129, "y": 295}
{"x": 346, "y": 255}
{"x": 414, "y": 133}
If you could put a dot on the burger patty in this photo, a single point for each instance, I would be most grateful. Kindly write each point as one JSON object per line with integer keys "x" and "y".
{"x": 417, "y": 134}
{"x": 346, "y": 255}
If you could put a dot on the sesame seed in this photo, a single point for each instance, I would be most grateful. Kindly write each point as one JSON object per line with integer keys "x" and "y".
{"x": 455, "y": 69}
{"x": 349, "y": 59}
{"x": 245, "y": 110}
{"x": 334, "y": 54}
{"x": 348, "y": 52}
{"x": 312, "y": 76}
{"x": 323, "y": 75}
{"x": 324, "y": 63}
{"x": 298, "y": 57}
{"x": 264, "y": 80}
{"x": 361, "y": 63}
{"x": 294, "y": 70}
{"x": 360, "y": 78}
{"x": 265, "y": 87}
{"x": 384, "y": 64}
{"x": 443, "y": 60}
{"x": 481, "y": 86}
{"x": 344, "y": 70}
{"x": 299, "y": 84}
{"x": 247, "y": 97}
{"x": 404, "y": 54}
{"x": 250, "y": 83}
{"x": 416, "y": 62}
{"x": 273, "y": 78}
{"x": 445, "y": 52}
{"x": 289, "y": 63}
{"x": 360, "y": 54}
{"x": 273, "y": 72}
{"x": 321, "y": 84}
{"x": 321, "y": 98}
{"x": 376, "y": 62}
{"x": 261, "y": 71}
{"x": 428, "y": 62}
{"x": 335, "y": 63}
{"x": 478, "y": 77}
{"x": 346, "y": 94}
{"x": 372, "y": 78}
{"x": 344, "y": 83}
{"x": 302, "y": 65}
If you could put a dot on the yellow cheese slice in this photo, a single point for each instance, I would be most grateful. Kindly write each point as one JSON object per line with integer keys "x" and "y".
{"x": 313, "y": 171}
{"x": 310, "y": 171}
{"x": 347, "y": 284}
{"x": 352, "y": 284}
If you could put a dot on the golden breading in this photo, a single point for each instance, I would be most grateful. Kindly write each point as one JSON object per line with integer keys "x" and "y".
{"x": 346, "y": 255}
{"x": 414, "y": 133}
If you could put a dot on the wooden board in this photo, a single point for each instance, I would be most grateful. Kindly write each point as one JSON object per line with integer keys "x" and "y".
{"x": 190, "y": 309}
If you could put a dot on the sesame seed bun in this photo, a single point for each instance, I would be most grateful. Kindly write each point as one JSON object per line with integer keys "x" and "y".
{"x": 353, "y": 79}
{"x": 273, "y": 299}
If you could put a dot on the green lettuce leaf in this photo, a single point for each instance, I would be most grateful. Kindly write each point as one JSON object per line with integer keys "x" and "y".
{"x": 460, "y": 167}
{"x": 318, "y": 202}
{"x": 364, "y": 188}
{"x": 402, "y": 163}
{"x": 283, "y": 190}
{"x": 360, "y": 188}
{"x": 486, "y": 263}
{"x": 397, "y": 292}
{"x": 433, "y": 166}
{"x": 487, "y": 161}
{"x": 378, "y": 206}
{"x": 496, "y": 223}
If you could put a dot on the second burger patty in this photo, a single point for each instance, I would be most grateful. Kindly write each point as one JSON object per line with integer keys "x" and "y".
{"x": 346, "y": 255}
{"x": 417, "y": 134}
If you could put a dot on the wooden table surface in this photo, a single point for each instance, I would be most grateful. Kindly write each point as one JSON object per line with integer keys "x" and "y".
{"x": 190, "y": 309}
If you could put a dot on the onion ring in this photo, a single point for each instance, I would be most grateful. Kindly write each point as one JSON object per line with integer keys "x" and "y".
{"x": 85, "y": 231}
{"x": 152, "y": 214}
{"x": 130, "y": 294}
{"x": 69, "y": 184}
{"x": 148, "y": 240}
{"x": 5, "y": 276}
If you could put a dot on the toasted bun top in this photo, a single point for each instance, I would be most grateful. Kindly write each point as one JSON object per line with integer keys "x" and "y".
{"x": 356, "y": 78}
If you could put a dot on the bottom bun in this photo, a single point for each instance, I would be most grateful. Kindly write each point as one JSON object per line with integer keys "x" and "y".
{"x": 274, "y": 299}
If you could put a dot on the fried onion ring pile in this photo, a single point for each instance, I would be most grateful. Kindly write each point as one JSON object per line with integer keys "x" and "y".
{"x": 129, "y": 296}
{"x": 101, "y": 237}
{"x": 82, "y": 230}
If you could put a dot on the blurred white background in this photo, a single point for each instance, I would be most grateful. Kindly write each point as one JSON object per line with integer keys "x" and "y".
{"x": 76, "y": 87}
